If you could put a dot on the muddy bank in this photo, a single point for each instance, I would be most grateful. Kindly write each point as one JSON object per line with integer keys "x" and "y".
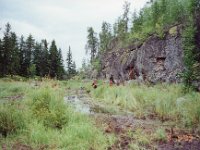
{"x": 131, "y": 132}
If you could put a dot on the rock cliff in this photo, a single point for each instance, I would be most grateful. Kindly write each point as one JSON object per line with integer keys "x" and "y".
{"x": 157, "y": 59}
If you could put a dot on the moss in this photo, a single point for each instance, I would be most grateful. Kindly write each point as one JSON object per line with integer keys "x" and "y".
{"x": 173, "y": 31}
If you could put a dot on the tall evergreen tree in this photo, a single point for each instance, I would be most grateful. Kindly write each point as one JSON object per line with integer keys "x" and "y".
{"x": 121, "y": 26}
{"x": 69, "y": 62}
{"x": 53, "y": 59}
{"x": 155, "y": 13}
{"x": 92, "y": 43}
{"x": 60, "y": 70}
{"x": 44, "y": 59}
{"x": 28, "y": 51}
{"x": 15, "y": 56}
{"x": 22, "y": 56}
{"x": 125, "y": 16}
{"x": 105, "y": 36}
{"x": 73, "y": 68}
{"x": 37, "y": 58}
{"x": 6, "y": 51}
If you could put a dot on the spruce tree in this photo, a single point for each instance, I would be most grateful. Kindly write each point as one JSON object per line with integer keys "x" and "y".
{"x": 125, "y": 16}
{"x": 69, "y": 63}
{"x": 60, "y": 70}
{"x": 22, "y": 69}
{"x": 28, "y": 55}
{"x": 74, "y": 68}
{"x": 37, "y": 58}
{"x": 155, "y": 13}
{"x": 6, "y": 51}
{"x": 44, "y": 59}
{"x": 92, "y": 44}
{"x": 105, "y": 36}
{"x": 53, "y": 59}
{"x": 15, "y": 55}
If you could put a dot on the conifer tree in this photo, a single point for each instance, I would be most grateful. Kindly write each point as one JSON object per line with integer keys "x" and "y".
{"x": 37, "y": 58}
{"x": 121, "y": 26}
{"x": 69, "y": 62}
{"x": 6, "y": 51}
{"x": 22, "y": 56}
{"x": 28, "y": 55}
{"x": 60, "y": 70}
{"x": 53, "y": 59}
{"x": 92, "y": 43}
{"x": 73, "y": 68}
{"x": 44, "y": 59}
{"x": 15, "y": 55}
{"x": 125, "y": 16}
{"x": 105, "y": 36}
{"x": 155, "y": 13}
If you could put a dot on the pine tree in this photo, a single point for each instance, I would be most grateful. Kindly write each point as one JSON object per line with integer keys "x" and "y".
{"x": 121, "y": 27}
{"x": 28, "y": 55}
{"x": 37, "y": 58}
{"x": 155, "y": 13}
{"x": 74, "y": 68}
{"x": 69, "y": 62}
{"x": 22, "y": 69}
{"x": 60, "y": 70}
{"x": 44, "y": 59}
{"x": 6, "y": 51}
{"x": 105, "y": 36}
{"x": 125, "y": 16}
{"x": 53, "y": 59}
{"x": 92, "y": 44}
{"x": 15, "y": 55}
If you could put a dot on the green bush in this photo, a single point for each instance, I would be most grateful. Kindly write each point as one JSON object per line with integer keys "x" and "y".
{"x": 48, "y": 107}
{"x": 11, "y": 120}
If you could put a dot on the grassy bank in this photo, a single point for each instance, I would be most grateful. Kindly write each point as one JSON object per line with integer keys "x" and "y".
{"x": 162, "y": 101}
{"x": 34, "y": 115}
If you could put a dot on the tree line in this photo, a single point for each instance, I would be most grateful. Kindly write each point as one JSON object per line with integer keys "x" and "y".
{"x": 29, "y": 58}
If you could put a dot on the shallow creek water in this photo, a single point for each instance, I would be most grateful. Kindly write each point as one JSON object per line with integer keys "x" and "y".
{"x": 78, "y": 105}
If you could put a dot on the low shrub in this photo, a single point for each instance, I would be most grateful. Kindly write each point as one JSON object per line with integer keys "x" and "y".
{"x": 48, "y": 107}
{"x": 11, "y": 120}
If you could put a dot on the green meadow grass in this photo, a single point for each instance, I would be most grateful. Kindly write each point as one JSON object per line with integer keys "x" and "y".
{"x": 41, "y": 118}
{"x": 166, "y": 101}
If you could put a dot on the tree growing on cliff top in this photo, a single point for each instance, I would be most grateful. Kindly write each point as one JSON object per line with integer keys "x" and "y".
{"x": 105, "y": 36}
{"x": 121, "y": 26}
{"x": 92, "y": 44}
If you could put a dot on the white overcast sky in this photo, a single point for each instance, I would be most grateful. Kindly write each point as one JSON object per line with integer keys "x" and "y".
{"x": 66, "y": 21}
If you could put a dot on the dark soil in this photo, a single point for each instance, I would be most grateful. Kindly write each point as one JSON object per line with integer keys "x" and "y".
{"x": 13, "y": 98}
{"x": 16, "y": 146}
{"x": 120, "y": 124}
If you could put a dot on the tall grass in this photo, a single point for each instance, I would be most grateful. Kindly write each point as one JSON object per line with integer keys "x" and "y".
{"x": 12, "y": 88}
{"x": 41, "y": 118}
{"x": 166, "y": 101}
{"x": 11, "y": 120}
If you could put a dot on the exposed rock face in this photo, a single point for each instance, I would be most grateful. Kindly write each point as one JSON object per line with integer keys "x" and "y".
{"x": 155, "y": 60}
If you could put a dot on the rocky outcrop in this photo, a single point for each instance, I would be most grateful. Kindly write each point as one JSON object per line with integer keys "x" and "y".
{"x": 157, "y": 59}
